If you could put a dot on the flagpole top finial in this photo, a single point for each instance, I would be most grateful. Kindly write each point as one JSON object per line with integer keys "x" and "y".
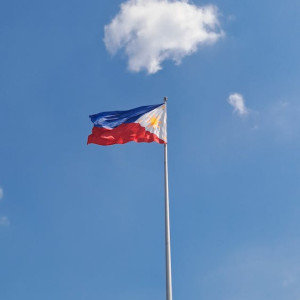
{"x": 165, "y": 99}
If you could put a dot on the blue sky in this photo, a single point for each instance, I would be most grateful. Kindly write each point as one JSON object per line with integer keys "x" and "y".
{"x": 87, "y": 222}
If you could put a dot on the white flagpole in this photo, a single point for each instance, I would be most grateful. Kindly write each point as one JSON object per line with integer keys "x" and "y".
{"x": 167, "y": 226}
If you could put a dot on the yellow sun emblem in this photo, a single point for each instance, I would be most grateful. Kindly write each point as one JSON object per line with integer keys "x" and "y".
{"x": 154, "y": 122}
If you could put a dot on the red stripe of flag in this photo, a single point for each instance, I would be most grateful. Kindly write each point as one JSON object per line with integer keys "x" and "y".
{"x": 122, "y": 134}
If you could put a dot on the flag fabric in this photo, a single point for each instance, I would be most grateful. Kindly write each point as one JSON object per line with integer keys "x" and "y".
{"x": 142, "y": 124}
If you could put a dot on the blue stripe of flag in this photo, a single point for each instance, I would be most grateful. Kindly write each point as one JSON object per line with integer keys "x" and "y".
{"x": 113, "y": 119}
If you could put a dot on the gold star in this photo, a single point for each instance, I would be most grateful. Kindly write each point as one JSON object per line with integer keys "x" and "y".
{"x": 154, "y": 122}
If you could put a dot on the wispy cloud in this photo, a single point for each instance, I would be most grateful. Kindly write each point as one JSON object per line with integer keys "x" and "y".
{"x": 282, "y": 117}
{"x": 1, "y": 193}
{"x": 261, "y": 272}
{"x": 238, "y": 103}
{"x": 152, "y": 31}
{"x": 279, "y": 120}
{"x": 4, "y": 221}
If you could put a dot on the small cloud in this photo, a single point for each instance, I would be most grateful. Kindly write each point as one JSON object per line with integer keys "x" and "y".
{"x": 152, "y": 31}
{"x": 4, "y": 221}
{"x": 1, "y": 193}
{"x": 238, "y": 103}
{"x": 231, "y": 18}
{"x": 281, "y": 118}
{"x": 290, "y": 280}
{"x": 267, "y": 271}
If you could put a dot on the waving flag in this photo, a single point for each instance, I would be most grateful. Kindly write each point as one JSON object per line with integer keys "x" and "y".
{"x": 142, "y": 124}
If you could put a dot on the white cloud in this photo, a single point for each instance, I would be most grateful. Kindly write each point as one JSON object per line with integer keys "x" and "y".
{"x": 152, "y": 31}
{"x": 4, "y": 221}
{"x": 238, "y": 103}
{"x": 1, "y": 192}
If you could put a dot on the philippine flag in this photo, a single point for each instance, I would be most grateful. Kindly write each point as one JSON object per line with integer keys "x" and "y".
{"x": 142, "y": 124}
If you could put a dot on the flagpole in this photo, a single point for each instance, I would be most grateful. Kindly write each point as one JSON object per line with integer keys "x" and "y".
{"x": 167, "y": 225}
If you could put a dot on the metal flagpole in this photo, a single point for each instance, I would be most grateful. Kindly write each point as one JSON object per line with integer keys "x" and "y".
{"x": 167, "y": 225}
